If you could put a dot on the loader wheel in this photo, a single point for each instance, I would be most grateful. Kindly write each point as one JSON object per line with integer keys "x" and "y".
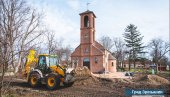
{"x": 34, "y": 79}
{"x": 53, "y": 82}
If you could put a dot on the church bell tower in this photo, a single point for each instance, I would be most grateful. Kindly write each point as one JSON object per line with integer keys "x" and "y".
{"x": 87, "y": 27}
{"x": 87, "y": 37}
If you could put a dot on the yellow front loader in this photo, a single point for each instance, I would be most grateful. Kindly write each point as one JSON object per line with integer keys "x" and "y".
{"x": 45, "y": 69}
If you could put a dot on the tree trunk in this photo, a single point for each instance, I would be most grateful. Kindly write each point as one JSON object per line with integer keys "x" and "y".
{"x": 134, "y": 63}
{"x": 19, "y": 63}
{"x": 12, "y": 55}
{"x": 121, "y": 66}
{"x": 2, "y": 79}
{"x": 129, "y": 65}
{"x": 157, "y": 70}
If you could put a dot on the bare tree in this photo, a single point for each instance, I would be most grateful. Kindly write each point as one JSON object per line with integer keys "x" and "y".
{"x": 51, "y": 43}
{"x": 120, "y": 49}
{"x": 19, "y": 28}
{"x": 6, "y": 40}
{"x": 107, "y": 42}
{"x": 30, "y": 34}
{"x": 55, "y": 46}
{"x": 67, "y": 53}
{"x": 59, "y": 50}
{"x": 158, "y": 50}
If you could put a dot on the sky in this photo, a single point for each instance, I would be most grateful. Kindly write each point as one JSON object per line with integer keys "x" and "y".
{"x": 62, "y": 16}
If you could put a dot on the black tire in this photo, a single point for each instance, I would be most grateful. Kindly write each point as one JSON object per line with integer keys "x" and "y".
{"x": 53, "y": 81}
{"x": 34, "y": 79}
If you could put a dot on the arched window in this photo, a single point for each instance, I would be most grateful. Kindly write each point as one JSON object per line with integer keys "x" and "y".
{"x": 86, "y": 21}
{"x": 112, "y": 64}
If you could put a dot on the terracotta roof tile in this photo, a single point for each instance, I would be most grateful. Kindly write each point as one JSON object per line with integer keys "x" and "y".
{"x": 111, "y": 57}
{"x": 88, "y": 11}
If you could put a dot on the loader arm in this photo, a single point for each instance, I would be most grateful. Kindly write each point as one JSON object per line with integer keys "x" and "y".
{"x": 30, "y": 60}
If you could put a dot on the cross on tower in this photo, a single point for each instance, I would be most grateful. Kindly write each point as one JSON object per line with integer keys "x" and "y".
{"x": 87, "y": 5}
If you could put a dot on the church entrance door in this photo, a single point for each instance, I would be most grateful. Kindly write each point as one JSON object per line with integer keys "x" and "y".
{"x": 86, "y": 62}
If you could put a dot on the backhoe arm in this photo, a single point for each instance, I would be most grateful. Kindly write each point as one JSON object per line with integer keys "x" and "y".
{"x": 31, "y": 60}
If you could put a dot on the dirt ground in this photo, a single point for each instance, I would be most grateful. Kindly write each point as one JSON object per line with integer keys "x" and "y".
{"x": 90, "y": 86}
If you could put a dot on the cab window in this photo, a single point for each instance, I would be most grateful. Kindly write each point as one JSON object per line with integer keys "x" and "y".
{"x": 42, "y": 61}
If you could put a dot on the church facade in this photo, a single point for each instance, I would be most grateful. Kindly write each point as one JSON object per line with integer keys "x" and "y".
{"x": 90, "y": 53}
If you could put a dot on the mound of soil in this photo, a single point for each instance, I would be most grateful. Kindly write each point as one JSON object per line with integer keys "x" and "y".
{"x": 152, "y": 79}
{"x": 86, "y": 80}
{"x": 83, "y": 77}
{"x": 155, "y": 79}
{"x": 84, "y": 71}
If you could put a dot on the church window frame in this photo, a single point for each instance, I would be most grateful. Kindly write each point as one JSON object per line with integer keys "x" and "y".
{"x": 86, "y": 21}
{"x": 112, "y": 64}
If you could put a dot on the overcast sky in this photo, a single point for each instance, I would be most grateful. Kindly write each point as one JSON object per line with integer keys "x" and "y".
{"x": 62, "y": 16}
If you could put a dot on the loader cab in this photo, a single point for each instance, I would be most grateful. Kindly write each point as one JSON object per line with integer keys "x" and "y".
{"x": 45, "y": 61}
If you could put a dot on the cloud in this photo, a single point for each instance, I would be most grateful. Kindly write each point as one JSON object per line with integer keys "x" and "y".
{"x": 57, "y": 20}
{"x": 62, "y": 26}
{"x": 74, "y": 4}
{"x": 151, "y": 17}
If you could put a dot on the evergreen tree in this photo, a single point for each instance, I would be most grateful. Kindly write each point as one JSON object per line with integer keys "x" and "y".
{"x": 134, "y": 43}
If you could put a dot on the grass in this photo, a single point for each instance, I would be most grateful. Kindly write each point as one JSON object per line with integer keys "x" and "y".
{"x": 10, "y": 95}
{"x": 120, "y": 69}
{"x": 149, "y": 71}
{"x": 141, "y": 70}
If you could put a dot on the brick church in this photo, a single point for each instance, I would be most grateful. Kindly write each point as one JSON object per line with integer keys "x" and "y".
{"x": 90, "y": 53}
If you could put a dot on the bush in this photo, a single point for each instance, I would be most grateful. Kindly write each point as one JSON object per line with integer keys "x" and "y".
{"x": 120, "y": 69}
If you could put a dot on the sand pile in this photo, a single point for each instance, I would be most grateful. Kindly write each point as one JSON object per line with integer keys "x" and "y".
{"x": 155, "y": 79}
{"x": 84, "y": 71}
{"x": 86, "y": 81}
{"x": 84, "y": 77}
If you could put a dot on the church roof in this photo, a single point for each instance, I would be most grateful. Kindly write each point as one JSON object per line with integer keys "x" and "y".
{"x": 88, "y": 11}
{"x": 98, "y": 45}
{"x": 111, "y": 57}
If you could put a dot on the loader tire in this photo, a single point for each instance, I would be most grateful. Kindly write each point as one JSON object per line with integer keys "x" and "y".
{"x": 53, "y": 81}
{"x": 34, "y": 79}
